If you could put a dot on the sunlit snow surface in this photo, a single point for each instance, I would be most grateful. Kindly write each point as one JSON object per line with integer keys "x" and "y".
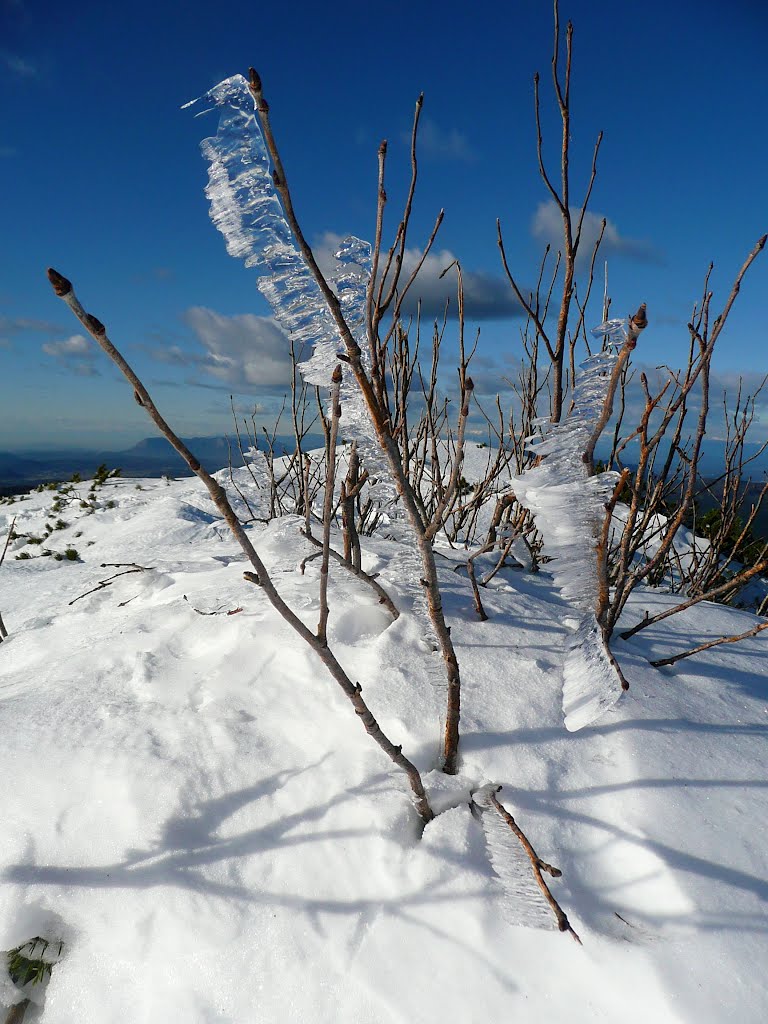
{"x": 192, "y": 806}
{"x": 569, "y": 507}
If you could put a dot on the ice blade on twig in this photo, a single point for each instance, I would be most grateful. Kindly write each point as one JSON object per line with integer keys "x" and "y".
{"x": 570, "y": 506}
{"x": 529, "y": 901}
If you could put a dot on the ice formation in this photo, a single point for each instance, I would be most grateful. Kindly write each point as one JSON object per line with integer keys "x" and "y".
{"x": 569, "y": 507}
{"x": 247, "y": 211}
{"x": 525, "y": 903}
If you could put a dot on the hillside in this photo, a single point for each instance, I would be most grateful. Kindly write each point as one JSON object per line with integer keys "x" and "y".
{"x": 191, "y": 806}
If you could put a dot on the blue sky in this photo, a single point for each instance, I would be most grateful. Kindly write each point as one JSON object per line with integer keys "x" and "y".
{"x": 102, "y": 178}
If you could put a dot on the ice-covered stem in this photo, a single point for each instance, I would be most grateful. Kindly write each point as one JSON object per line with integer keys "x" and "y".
{"x": 637, "y": 323}
{"x": 505, "y": 860}
{"x": 260, "y": 577}
{"x": 330, "y": 480}
{"x": 382, "y": 427}
{"x": 570, "y": 508}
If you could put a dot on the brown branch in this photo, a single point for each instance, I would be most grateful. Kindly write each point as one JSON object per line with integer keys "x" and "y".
{"x": 17, "y": 1012}
{"x": 735, "y": 582}
{"x": 481, "y": 612}
{"x": 359, "y": 574}
{"x": 330, "y": 480}
{"x": 712, "y": 643}
{"x": 219, "y": 611}
{"x": 381, "y": 422}
{"x": 260, "y": 577}
{"x": 8, "y": 539}
{"x": 538, "y": 866}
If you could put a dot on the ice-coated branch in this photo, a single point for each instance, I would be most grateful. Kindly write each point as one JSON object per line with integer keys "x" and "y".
{"x": 247, "y": 211}
{"x": 570, "y": 507}
{"x": 253, "y": 208}
{"x": 520, "y": 869}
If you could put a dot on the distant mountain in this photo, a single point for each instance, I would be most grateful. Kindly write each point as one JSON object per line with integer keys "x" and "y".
{"x": 154, "y": 456}
{"x": 16, "y": 467}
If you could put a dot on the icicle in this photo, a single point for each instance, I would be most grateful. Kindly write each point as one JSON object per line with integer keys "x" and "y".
{"x": 569, "y": 507}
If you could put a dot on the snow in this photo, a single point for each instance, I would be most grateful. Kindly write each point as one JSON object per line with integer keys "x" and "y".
{"x": 191, "y": 806}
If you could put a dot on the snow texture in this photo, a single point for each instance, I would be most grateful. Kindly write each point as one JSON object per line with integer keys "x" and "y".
{"x": 569, "y": 507}
{"x": 190, "y": 805}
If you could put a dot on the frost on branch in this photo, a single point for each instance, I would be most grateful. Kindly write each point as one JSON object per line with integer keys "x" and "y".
{"x": 247, "y": 211}
{"x": 569, "y": 506}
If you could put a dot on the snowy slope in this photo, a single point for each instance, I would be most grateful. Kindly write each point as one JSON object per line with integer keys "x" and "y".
{"x": 191, "y": 805}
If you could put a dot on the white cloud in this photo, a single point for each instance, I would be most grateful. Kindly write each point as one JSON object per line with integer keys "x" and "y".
{"x": 245, "y": 349}
{"x": 441, "y": 143}
{"x": 486, "y": 296}
{"x": 75, "y": 354}
{"x": 547, "y": 226}
{"x": 21, "y": 324}
{"x": 76, "y": 345}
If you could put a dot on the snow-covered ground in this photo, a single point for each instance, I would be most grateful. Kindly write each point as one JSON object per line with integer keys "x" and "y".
{"x": 191, "y": 805}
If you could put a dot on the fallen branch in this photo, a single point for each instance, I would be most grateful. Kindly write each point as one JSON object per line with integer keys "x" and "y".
{"x": 734, "y": 583}
{"x": 359, "y": 574}
{"x": 3, "y": 630}
{"x": 103, "y": 584}
{"x": 218, "y": 611}
{"x": 8, "y": 539}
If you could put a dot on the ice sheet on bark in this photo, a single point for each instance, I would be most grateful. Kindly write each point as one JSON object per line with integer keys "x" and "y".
{"x": 525, "y": 903}
{"x": 569, "y": 506}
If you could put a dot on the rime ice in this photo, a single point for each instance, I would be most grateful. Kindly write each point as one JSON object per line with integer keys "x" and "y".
{"x": 569, "y": 507}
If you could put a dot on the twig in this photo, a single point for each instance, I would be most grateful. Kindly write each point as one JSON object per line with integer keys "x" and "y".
{"x": 260, "y": 577}
{"x": 3, "y": 630}
{"x": 712, "y": 643}
{"x": 330, "y": 480}
{"x": 359, "y": 574}
{"x": 481, "y": 612}
{"x": 538, "y": 866}
{"x": 735, "y": 582}
{"x": 125, "y": 565}
{"x": 380, "y": 416}
{"x": 103, "y": 584}
{"x": 218, "y": 611}
{"x": 8, "y": 539}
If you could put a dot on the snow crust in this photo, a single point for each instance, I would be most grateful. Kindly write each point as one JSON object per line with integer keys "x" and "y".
{"x": 190, "y": 805}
